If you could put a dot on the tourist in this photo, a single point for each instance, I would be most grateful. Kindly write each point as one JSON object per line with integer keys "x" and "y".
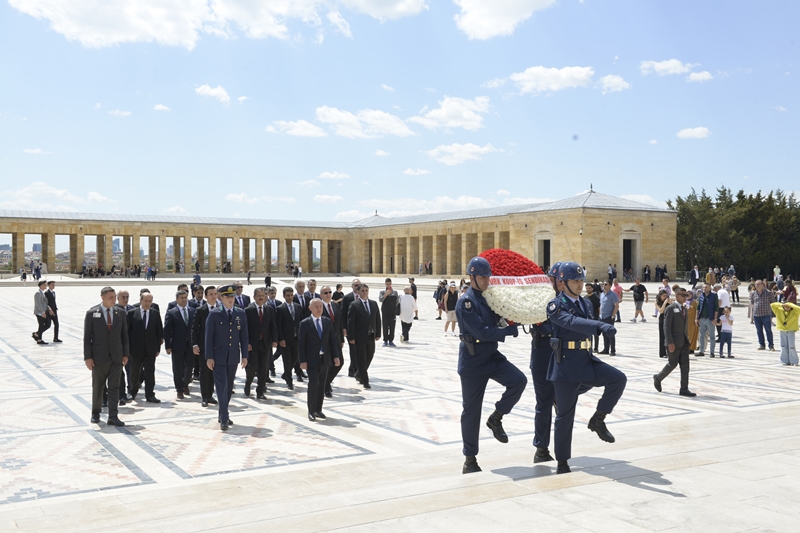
{"x": 618, "y": 290}
{"x": 42, "y": 311}
{"x": 438, "y": 294}
{"x": 609, "y": 305}
{"x": 594, "y": 300}
{"x": 640, "y": 297}
{"x": 662, "y": 302}
{"x": 338, "y": 295}
{"x": 50, "y": 293}
{"x": 789, "y": 292}
{"x": 691, "y": 318}
{"x": 408, "y": 310}
{"x": 725, "y": 321}
{"x": 414, "y": 294}
{"x": 707, "y": 310}
{"x": 787, "y": 314}
{"x": 723, "y": 300}
{"x": 449, "y": 299}
{"x": 761, "y": 299}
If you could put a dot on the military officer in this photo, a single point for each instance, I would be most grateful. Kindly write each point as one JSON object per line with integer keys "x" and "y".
{"x": 572, "y": 367}
{"x": 226, "y": 344}
{"x": 479, "y": 361}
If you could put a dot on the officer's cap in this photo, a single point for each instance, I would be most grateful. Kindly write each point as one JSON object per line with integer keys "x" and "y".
{"x": 227, "y": 290}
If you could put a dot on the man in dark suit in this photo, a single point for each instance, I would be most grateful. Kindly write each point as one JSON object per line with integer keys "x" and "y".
{"x": 178, "y": 342}
{"x": 332, "y": 310}
{"x": 364, "y": 328}
{"x": 300, "y": 297}
{"x": 268, "y": 279}
{"x": 105, "y": 352}
{"x": 241, "y": 300}
{"x": 318, "y": 348}
{"x": 389, "y": 300}
{"x": 42, "y": 312}
{"x": 173, "y": 303}
{"x": 694, "y": 276}
{"x": 197, "y": 301}
{"x": 676, "y": 338}
{"x": 122, "y": 303}
{"x": 199, "y": 344}
{"x": 272, "y": 301}
{"x": 311, "y": 293}
{"x": 226, "y": 344}
{"x": 146, "y": 334}
{"x": 138, "y": 304}
{"x": 346, "y": 302}
{"x": 50, "y": 294}
{"x": 263, "y": 328}
{"x": 289, "y": 316}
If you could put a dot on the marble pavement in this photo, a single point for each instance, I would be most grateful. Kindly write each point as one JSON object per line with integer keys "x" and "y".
{"x": 389, "y": 459}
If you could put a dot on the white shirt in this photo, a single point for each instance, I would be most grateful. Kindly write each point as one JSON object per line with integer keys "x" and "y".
{"x": 407, "y": 307}
{"x": 724, "y": 298}
{"x": 106, "y": 313}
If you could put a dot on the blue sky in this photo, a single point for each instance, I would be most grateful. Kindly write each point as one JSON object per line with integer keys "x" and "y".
{"x": 325, "y": 110}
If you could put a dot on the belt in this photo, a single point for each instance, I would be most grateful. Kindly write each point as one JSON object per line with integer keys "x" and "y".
{"x": 579, "y": 345}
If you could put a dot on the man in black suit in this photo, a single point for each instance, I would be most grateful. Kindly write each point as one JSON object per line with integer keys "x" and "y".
{"x": 332, "y": 310}
{"x": 389, "y": 300}
{"x": 146, "y": 334}
{"x": 676, "y": 338}
{"x": 50, "y": 294}
{"x": 364, "y": 328}
{"x": 289, "y": 316}
{"x": 346, "y": 302}
{"x": 199, "y": 345}
{"x": 263, "y": 331}
{"x": 122, "y": 303}
{"x": 268, "y": 280}
{"x": 138, "y": 304}
{"x": 311, "y": 293}
{"x": 197, "y": 301}
{"x": 173, "y": 303}
{"x": 105, "y": 352}
{"x": 272, "y": 301}
{"x": 178, "y": 342}
{"x": 318, "y": 347}
{"x": 240, "y": 300}
{"x": 301, "y": 298}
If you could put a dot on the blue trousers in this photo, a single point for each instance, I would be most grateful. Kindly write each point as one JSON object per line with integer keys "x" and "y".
{"x": 473, "y": 388}
{"x": 567, "y": 398}
{"x": 223, "y": 382}
{"x": 764, "y": 323}
{"x": 544, "y": 391}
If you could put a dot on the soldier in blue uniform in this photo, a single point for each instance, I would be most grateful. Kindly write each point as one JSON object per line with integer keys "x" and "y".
{"x": 226, "y": 344}
{"x": 479, "y": 361}
{"x": 573, "y": 369}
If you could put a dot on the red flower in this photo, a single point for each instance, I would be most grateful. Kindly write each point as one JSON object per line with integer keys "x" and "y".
{"x": 508, "y": 263}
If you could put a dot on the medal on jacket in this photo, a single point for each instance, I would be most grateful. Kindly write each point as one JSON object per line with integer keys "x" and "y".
{"x": 238, "y": 324}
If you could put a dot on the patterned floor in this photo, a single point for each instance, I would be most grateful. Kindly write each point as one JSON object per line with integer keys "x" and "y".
{"x": 48, "y": 448}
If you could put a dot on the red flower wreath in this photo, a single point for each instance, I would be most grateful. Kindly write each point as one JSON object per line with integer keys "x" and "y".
{"x": 508, "y": 263}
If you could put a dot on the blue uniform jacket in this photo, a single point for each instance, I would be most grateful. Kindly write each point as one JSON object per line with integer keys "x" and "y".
{"x": 540, "y": 344}
{"x": 477, "y": 321}
{"x": 226, "y": 340}
{"x": 572, "y": 322}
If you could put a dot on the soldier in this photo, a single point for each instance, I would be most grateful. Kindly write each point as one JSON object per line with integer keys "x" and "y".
{"x": 573, "y": 367}
{"x": 479, "y": 361}
{"x": 226, "y": 344}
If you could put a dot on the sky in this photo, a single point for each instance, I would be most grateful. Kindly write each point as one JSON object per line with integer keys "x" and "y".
{"x": 333, "y": 110}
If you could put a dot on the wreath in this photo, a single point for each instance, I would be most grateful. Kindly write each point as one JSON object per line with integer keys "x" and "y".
{"x": 519, "y": 290}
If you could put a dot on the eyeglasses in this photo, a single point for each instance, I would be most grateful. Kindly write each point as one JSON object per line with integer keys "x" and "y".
{"x": 326, "y": 292}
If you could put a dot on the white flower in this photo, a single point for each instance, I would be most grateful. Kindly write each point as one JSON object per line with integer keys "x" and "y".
{"x": 522, "y": 305}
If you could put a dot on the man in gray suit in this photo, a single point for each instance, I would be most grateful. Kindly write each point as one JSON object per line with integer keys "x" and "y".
{"x": 677, "y": 342}
{"x": 105, "y": 352}
{"x": 42, "y": 311}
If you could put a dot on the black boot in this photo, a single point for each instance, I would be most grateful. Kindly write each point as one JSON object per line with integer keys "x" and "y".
{"x": 470, "y": 465}
{"x": 542, "y": 455}
{"x": 495, "y": 423}
{"x": 598, "y": 425}
{"x": 563, "y": 468}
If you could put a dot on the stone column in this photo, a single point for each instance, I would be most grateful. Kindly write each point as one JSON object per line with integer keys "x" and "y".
{"x": 212, "y": 254}
{"x": 176, "y": 253}
{"x": 187, "y": 254}
{"x": 126, "y": 251}
{"x": 136, "y": 245}
{"x": 73, "y": 253}
{"x": 236, "y": 255}
{"x": 387, "y": 256}
{"x": 151, "y": 251}
{"x": 49, "y": 251}
{"x": 398, "y": 255}
{"x": 245, "y": 255}
{"x": 324, "y": 259}
{"x": 487, "y": 241}
{"x": 223, "y": 252}
{"x": 201, "y": 253}
{"x": 162, "y": 253}
{"x": 18, "y": 251}
{"x": 259, "y": 266}
{"x": 281, "y": 255}
{"x": 469, "y": 248}
{"x": 109, "y": 243}
{"x": 100, "y": 250}
{"x": 309, "y": 256}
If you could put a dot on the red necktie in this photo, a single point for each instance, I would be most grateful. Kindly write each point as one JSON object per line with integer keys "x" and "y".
{"x": 261, "y": 314}
{"x": 330, "y": 311}
{"x": 108, "y": 319}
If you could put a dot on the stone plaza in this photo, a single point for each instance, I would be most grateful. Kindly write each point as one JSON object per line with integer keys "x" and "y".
{"x": 389, "y": 459}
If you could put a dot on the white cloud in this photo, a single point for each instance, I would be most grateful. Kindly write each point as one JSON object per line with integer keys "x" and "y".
{"x": 387, "y": 87}
{"x": 700, "y": 76}
{"x": 334, "y": 176}
{"x": 613, "y": 83}
{"x": 387, "y": 9}
{"x": 455, "y": 154}
{"x": 352, "y": 215}
{"x": 540, "y": 79}
{"x": 381, "y": 153}
{"x": 418, "y": 172}
{"x": 368, "y": 123}
{"x": 327, "y": 199}
{"x": 663, "y": 68}
{"x": 160, "y": 107}
{"x": 309, "y": 183}
{"x": 694, "y": 133}
{"x": 780, "y": 108}
{"x": 494, "y": 83}
{"x": 41, "y": 196}
{"x": 429, "y": 89}
{"x": 645, "y": 199}
{"x": 652, "y": 141}
{"x": 502, "y": 192}
{"x": 118, "y": 113}
{"x": 320, "y": 38}
{"x": 299, "y": 128}
{"x": 175, "y": 210}
{"x": 218, "y": 92}
{"x": 341, "y": 24}
{"x": 455, "y": 113}
{"x": 244, "y": 198}
{"x": 98, "y": 105}
{"x": 484, "y": 19}
{"x": 242, "y": 99}
{"x": 35, "y": 151}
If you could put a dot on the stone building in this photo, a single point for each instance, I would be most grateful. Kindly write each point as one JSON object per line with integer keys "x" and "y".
{"x": 591, "y": 228}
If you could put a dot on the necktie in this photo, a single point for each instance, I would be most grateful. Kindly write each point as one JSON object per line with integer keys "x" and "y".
{"x": 108, "y": 319}
{"x": 145, "y": 319}
{"x": 261, "y": 314}
{"x": 319, "y": 327}
{"x": 230, "y": 315}
{"x": 366, "y": 306}
{"x": 291, "y": 309}
{"x": 302, "y": 303}
{"x": 185, "y": 316}
{"x": 330, "y": 311}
